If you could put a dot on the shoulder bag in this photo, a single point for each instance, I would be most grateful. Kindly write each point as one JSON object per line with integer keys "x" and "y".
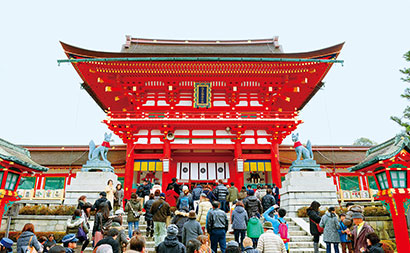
{"x": 319, "y": 228}
{"x": 30, "y": 249}
{"x": 136, "y": 214}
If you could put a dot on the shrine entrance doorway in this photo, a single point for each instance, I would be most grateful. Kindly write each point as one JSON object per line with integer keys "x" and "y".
{"x": 202, "y": 172}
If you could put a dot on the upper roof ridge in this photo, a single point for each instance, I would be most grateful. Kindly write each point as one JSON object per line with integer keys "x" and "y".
{"x": 130, "y": 40}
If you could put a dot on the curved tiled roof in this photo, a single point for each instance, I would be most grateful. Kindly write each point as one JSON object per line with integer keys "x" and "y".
{"x": 18, "y": 155}
{"x": 386, "y": 150}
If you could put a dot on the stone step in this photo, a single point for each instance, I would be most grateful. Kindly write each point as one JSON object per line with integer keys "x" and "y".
{"x": 294, "y": 228}
{"x": 304, "y": 250}
{"x": 303, "y": 238}
{"x": 297, "y": 233}
{"x": 301, "y": 244}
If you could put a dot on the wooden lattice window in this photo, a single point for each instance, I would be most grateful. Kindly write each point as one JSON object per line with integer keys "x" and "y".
{"x": 372, "y": 182}
{"x": 399, "y": 179}
{"x": 11, "y": 181}
{"x": 382, "y": 178}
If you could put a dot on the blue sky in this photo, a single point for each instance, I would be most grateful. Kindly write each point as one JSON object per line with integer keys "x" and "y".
{"x": 42, "y": 103}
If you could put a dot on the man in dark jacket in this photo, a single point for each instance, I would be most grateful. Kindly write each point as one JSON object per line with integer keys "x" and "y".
{"x": 253, "y": 205}
{"x": 196, "y": 194}
{"x": 221, "y": 192}
{"x": 148, "y": 215}
{"x": 275, "y": 191}
{"x": 217, "y": 226}
{"x": 175, "y": 185}
{"x": 146, "y": 189}
{"x": 268, "y": 200}
{"x": 160, "y": 211}
{"x": 111, "y": 240}
{"x": 102, "y": 199}
{"x": 171, "y": 243}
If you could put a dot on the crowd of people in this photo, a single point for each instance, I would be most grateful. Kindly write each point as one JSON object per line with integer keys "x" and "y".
{"x": 351, "y": 230}
{"x": 197, "y": 220}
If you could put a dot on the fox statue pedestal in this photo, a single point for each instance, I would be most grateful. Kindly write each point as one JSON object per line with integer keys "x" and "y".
{"x": 300, "y": 188}
{"x": 94, "y": 175}
{"x": 89, "y": 184}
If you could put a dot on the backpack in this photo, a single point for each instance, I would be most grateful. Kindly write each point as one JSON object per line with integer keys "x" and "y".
{"x": 196, "y": 193}
{"x": 184, "y": 202}
{"x": 283, "y": 231}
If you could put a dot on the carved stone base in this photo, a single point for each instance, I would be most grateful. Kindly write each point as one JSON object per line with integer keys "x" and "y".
{"x": 304, "y": 165}
{"x": 89, "y": 184}
{"x": 97, "y": 165}
{"x": 301, "y": 188}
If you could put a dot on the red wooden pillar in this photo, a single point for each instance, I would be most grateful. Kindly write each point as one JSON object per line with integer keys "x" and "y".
{"x": 3, "y": 202}
{"x": 276, "y": 179}
{"x": 237, "y": 177}
{"x": 129, "y": 171}
{"x": 399, "y": 222}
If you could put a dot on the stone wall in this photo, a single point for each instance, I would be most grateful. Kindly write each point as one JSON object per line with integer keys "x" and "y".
{"x": 383, "y": 226}
{"x": 42, "y": 223}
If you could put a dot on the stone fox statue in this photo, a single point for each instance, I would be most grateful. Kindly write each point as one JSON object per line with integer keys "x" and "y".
{"x": 102, "y": 150}
{"x": 301, "y": 151}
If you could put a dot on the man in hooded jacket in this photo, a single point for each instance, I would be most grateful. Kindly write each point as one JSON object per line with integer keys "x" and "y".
{"x": 171, "y": 243}
{"x": 268, "y": 200}
{"x": 253, "y": 205}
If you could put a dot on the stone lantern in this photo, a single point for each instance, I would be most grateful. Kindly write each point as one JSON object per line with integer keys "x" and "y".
{"x": 389, "y": 163}
{"x": 15, "y": 162}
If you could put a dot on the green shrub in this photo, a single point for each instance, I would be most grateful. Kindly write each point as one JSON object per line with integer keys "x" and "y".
{"x": 388, "y": 246}
{"x": 368, "y": 211}
{"x": 302, "y": 212}
{"x": 44, "y": 210}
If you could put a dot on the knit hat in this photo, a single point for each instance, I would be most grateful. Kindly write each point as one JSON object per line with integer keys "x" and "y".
{"x": 172, "y": 230}
{"x": 184, "y": 188}
{"x": 7, "y": 243}
{"x": 267, "y": 225}
{"x": 69, "y": 238}
{"x": 203, "y": 195}
{"x": 162, "y": 195}
{"x": 192, "y": 215}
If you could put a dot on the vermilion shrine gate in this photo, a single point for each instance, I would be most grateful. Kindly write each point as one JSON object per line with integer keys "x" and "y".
{"x": 202, "y": 110}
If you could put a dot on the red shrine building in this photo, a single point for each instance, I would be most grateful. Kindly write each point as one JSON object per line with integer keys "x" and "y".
{"x": 200, "y": 111}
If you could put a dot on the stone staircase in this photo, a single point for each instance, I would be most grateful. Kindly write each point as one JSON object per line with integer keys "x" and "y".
{"x": 300, "y": 241}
